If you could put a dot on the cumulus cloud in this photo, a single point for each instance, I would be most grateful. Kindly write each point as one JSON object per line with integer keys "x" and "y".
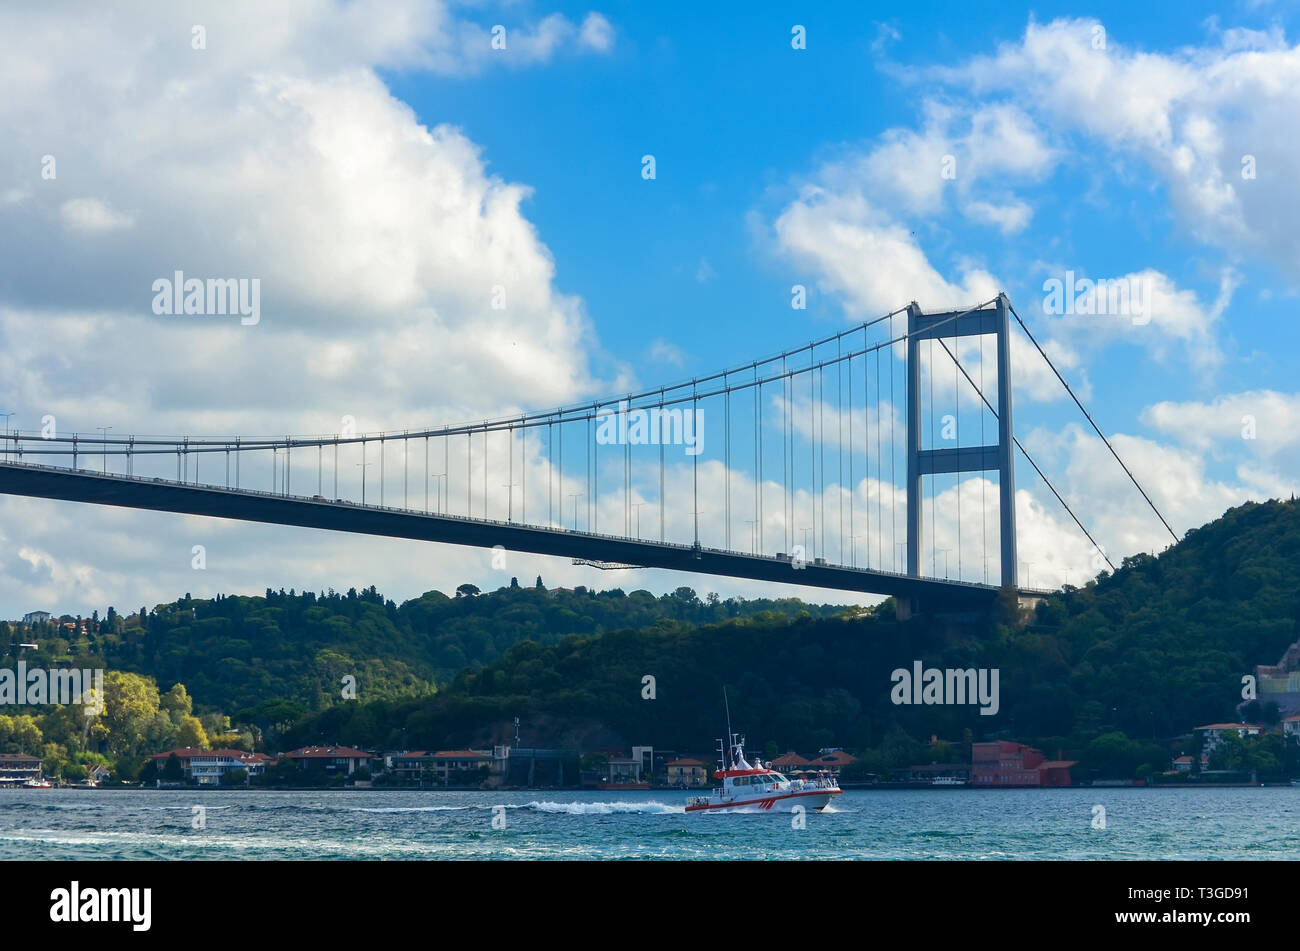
{"x": 1198, "y": 117}
{"x": 272, "y": 150}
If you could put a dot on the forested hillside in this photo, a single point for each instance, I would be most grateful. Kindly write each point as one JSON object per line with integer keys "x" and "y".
{"x": 1150, "y": 652}
{"x": 236, "y": 652}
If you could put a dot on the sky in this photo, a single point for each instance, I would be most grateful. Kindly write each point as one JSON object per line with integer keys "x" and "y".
{"x": 379, "y": 167}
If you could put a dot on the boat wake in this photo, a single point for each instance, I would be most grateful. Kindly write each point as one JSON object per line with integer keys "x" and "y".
{"x": 602, "y": 808}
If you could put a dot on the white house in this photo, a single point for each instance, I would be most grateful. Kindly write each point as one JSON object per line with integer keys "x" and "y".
{"x": 1213, "y": 732}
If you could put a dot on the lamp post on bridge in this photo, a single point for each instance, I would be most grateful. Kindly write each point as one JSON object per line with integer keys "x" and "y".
{"x": 104, "y": 445}
{"x": 575, "y": 496}
{"x": 6, "y": 416}
{"x": 637, "y": 506}
{"x": 945, "y": 560}
{"x": 510, "y": 504}
{"x": 363, "y": 466}
{"x": 753, "y": 535}
{"x": 438, "y": 489}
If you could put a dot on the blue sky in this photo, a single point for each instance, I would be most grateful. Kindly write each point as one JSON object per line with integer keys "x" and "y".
{"x": 735, "y": 118}
{"x": 380, "y": 166}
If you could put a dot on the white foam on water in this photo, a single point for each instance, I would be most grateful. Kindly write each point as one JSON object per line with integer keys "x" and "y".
{"x": 409, "y": 808}
{"x": 603, "y": 808}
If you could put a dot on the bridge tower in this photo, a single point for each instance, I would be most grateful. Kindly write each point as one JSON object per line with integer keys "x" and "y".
{"x": 997, "y": 457}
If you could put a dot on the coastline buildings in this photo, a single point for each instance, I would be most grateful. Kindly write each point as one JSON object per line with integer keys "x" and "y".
{"x": 330, "y": 759}
{"x": 1280, "y": 682}
{"x": 1212, "y": 734}
{"x": 443, "y": 767}
{"x": 206, "y": 767}
{"x": 687, "y": 773}
{"x": 1003, "y": 764}
{"x": 17, "y": 768}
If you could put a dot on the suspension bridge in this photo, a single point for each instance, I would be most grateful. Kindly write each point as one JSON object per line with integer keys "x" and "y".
{"x": 800, "y": 468}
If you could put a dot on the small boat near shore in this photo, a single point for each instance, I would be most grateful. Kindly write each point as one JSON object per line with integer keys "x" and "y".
{"x": 760, "y": 787}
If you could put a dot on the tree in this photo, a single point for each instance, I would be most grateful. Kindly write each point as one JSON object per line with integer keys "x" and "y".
{"x": 190, "y": 733}
{"x": 234, "y": 777}
{"x": 467, "y": 591}
{"x": 176, "y": 702}
{"x": 173, "y": 771}
{"x": 149, "y": 772}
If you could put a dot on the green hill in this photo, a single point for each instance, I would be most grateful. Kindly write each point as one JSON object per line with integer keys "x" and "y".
{"x": 236, "y": 652}
{"x": 1151, "y": 651}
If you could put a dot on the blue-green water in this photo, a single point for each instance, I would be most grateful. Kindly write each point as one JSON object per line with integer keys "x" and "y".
{"x": 1254, "y": 823}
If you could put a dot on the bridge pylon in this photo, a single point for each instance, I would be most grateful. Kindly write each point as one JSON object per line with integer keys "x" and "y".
{"x": 997, "y": 457}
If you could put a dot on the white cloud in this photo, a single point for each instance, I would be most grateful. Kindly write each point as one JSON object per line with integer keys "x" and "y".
{"x": 597, "y": 33}
{"x": 665, "y": 352}
{"x": 275, "y": 153}
{"x": 860, "y": 253}
{"x": 1192, "y": 116}
{"x": 1170, "y": 322}
{"x": 92, "y": 216}
{"x": 1009, "y": 218}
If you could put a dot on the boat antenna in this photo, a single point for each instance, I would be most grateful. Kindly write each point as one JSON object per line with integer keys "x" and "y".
{"x": 727, "y": 705}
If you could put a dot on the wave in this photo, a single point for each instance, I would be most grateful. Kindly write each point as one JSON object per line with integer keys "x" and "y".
{"x": 410, "y": 808}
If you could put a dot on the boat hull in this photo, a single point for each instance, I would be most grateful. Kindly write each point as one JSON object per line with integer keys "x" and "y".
{"x": 810, "y": 800}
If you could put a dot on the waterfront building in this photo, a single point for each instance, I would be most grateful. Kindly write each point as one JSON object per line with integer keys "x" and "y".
{"x": 1004, "y": 764}
{"x": 788, "y": 763}
{"x": 331, "y": 760}
{"x": 834, "y": 760}
{"x": 438, "y": 766}
{"x": 206, "y": 767}
{"x": 688, "y": 772}
{"x": 1214, "y": 732}
{"x": 1280, "y": 682}
{"x": 18, "y": 768}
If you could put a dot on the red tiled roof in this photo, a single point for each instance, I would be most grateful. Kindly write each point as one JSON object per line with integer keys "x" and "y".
{"x": 189, "y": 752}
{"x": 460, "y": 754}
{"x": 328, "y": 752}
{"x": 838, "y": 758}
{"x": 184, "y": 752}
{"x": 1230, "y": 726}
{"x": 790, "y": 759}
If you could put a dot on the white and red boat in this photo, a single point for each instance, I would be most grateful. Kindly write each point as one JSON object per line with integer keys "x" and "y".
{"x": 759, "y": 787}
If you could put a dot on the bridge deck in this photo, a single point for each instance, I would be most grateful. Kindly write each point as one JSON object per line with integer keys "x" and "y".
{"x": 51, "y": 482}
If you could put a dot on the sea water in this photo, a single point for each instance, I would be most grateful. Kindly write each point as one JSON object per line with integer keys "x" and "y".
{"x": 1139, "y": 823}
